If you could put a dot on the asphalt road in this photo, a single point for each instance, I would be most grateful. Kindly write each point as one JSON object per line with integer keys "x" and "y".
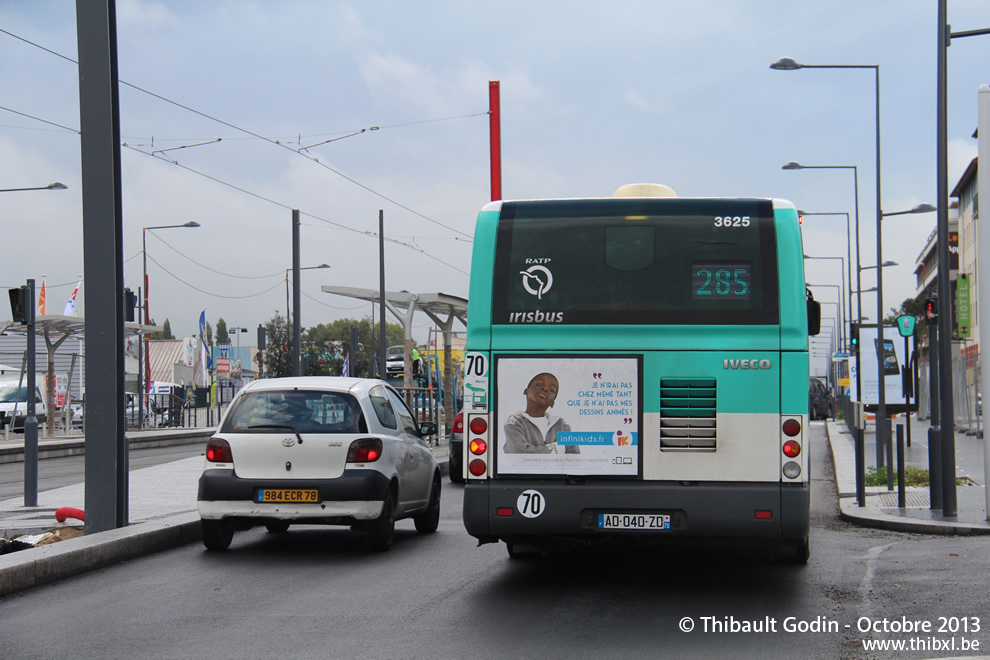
{"x": 68, "y": 470}
{"x": 315, "y": 592}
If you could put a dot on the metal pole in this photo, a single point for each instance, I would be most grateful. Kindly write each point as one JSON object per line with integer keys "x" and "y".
{"x": 296, "y": 327}
{"x": 30, "y": 419}
{"x": 140, "y": 378}
{"x": 381, "y": 295}
{"x": 882, "y": 431}
{"x": 947, "y": 428}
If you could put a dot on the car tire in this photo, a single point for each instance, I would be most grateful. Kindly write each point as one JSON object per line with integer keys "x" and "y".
{"x": 280, "y": 527}
{"x": 798, "y": 552}
{"x": 380, "y": 532}
{"x": 428, "y": 521}
{"x": 215, "y": 535}
{"x": 456, "y": 476}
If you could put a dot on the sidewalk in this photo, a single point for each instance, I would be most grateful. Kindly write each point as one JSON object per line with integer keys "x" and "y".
{"x": 880, "y": 507}
{"x": 162, "y": 513}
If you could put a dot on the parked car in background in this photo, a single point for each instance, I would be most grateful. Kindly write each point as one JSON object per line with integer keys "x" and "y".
{"x": 820, "y": 403}
{"x": 13, "y": 405}
{"x": 456, "y": 449}
{"x": 318, "y": 450}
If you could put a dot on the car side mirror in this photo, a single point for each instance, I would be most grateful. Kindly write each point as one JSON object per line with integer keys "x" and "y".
{"x": 814, "y": 315}
{"x": 427, "y": 429}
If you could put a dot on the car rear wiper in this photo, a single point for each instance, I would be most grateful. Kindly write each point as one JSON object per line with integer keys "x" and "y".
{"x": 278, "y": 426}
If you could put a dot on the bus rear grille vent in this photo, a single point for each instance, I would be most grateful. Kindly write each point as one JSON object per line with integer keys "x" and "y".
{"x": 687, "y": 414}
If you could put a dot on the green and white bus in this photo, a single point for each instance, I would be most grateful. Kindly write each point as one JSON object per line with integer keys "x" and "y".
{"x": 637, "y": 370}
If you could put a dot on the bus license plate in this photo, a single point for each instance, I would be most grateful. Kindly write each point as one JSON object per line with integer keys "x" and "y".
{"x": 287, "y": 495}
{"x": 647, "y": 521}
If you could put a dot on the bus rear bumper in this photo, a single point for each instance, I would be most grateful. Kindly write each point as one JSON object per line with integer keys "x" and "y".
{"x": 575, "y": 512}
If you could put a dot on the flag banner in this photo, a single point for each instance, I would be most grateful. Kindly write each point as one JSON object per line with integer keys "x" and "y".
{"x": 41, "y": 299}
{"x": 202, "y": 343}
{"x": 70, "y": 307}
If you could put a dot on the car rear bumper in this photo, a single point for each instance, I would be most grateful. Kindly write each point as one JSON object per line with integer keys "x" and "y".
{"x": 357, "y": 495}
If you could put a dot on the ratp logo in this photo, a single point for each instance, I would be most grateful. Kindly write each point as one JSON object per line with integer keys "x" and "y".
{"x": 537, "y": 280}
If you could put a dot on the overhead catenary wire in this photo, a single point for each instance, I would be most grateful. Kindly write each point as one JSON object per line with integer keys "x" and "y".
{"x": 261, "y": 137}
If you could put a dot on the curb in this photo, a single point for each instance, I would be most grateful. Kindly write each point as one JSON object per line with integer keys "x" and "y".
{"x": 881, "y": 520}
{"x": 50, "y": 563}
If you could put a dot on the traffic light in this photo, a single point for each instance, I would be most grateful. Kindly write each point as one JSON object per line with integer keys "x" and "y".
{"x": 931, "y": 310}
{"x": 130, "y": 300}
{"x": 854, "y": 337}
{"x": 19, "y": 303}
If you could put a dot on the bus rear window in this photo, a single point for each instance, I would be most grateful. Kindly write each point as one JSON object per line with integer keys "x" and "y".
{"x": 636, "y": 261}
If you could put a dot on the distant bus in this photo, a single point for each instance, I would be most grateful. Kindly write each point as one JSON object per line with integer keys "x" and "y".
{"x": 669, "y": 337}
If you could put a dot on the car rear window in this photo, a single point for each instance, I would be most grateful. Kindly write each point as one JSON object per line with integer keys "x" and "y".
{"x": 302, "y": 410}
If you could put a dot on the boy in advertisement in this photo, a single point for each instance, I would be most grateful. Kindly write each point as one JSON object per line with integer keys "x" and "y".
{"x": 534, "y": 430}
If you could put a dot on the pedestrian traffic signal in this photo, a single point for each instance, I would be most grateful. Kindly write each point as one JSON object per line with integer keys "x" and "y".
{"x": 931, "y": 310}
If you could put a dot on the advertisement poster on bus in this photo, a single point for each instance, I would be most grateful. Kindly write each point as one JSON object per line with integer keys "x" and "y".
{"x": 561, "y": 415}
{"x": 869, "y": 364}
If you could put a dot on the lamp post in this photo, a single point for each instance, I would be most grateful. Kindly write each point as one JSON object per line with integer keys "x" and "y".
{"x": 147, "y": 314}
{"x": 842, "y": 313}
{"x": 238, "y": 330}
{"x": 296, "y": 328}
{"x": 54, "y": 185}
{"x": 789, "y": 64}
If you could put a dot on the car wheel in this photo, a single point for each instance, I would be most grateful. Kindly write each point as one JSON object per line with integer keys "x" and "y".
{"x": 428, "y": 521}
{"x": 378, "y": 533}
{"x": 456, "y": 476}
{"x": 798, "y": 552}
{"x": 215, "y": 535}
{"x": 814, "y": 413}
{"x": 520, "y": 552}
{"x": 279, "y": 527}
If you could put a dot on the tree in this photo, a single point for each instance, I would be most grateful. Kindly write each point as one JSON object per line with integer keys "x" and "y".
{"x": 222, "y": 336}
{"x": 164, "y": 333}
{"x": 327, "y": 345}
{"x": 278, "y": 347}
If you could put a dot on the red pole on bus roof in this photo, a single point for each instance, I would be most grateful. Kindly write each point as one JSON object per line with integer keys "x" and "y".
{"x": 496, "y": 139}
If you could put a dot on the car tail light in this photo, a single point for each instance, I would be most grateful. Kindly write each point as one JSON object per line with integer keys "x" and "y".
{"x": 478, "y": 446}
{"x": 477, "y": 467}
{"x": 479, "y": 425}
{"x": 218, "y": 451}
{"x": 365, "y": 450}
{"x": 792, "y": 427}
{"x": 792, "y": 448}
{"x": 458, "y": 423}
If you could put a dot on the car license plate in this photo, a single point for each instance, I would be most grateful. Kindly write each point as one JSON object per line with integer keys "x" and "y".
{"x": 287, "y": 495}
{"x": 644, "y": 521}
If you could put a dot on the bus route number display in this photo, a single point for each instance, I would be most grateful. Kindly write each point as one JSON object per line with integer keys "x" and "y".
{"x": 721, "y": 281}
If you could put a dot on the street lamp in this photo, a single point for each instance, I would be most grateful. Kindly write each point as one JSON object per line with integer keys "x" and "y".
{"x": 883, "y": 265}
{"x": 237, "y": 330}
{"x": 147, "y": 315}
{"x": 842, "y": 313}
{"x": 296, "y": 328}
{"x": 54, "y": 185}
{"x": 789, "y": 64}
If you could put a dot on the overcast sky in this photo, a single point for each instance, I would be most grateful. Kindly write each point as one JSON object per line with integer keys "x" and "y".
{"x": 594, "y": 95}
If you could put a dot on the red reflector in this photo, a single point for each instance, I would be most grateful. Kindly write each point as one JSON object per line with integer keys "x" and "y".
{"x": 477, "y": 467}
{"x": 764, "y": 515}
{"x": 792, "y": 427}
{"x": 458, "y": 423}
{"x": 479, "y": 425}
{"x": 792, "y": 448}
{"x": 504, "y": 511}
{"x": 478, "y": 446}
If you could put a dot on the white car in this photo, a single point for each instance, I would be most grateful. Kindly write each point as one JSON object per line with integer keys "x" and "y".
{"x": 318, "y": 450}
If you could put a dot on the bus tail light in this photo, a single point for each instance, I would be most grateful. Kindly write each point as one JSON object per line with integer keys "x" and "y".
{"x": 477, "y": 443}
{"x": 792, "y": 448}
{"x": 791, "y": 427}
